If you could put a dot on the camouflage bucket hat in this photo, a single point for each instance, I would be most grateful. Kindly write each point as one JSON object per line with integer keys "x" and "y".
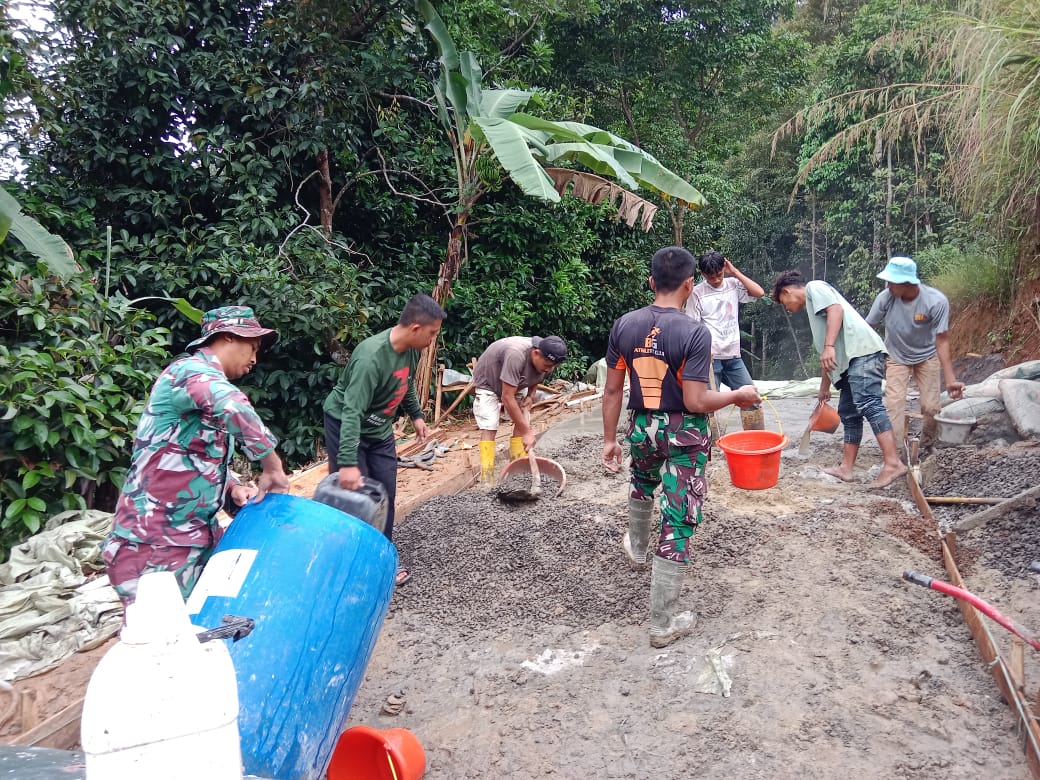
{"x": 239, "y": 320}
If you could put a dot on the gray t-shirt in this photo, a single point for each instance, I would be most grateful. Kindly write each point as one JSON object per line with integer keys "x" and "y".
{"x": 507, "y": 360}
{"x": 911, "y": 328}
{"x": 855, "y": 339}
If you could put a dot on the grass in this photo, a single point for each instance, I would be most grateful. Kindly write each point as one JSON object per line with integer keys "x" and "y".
{"x": 966, "y": 274}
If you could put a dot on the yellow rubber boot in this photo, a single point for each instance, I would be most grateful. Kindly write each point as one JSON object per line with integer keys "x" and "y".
{"x": 516, "y": 448}
{"x": 487, "y": 462}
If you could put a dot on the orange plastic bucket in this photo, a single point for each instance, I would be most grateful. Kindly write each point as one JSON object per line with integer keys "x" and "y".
{"x": 753, "y": 458}
{"x": 825, "y": 418}
{"x": 364, "y": 753}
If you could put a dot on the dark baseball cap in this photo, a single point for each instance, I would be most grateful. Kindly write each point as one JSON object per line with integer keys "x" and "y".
{"x": 553, "y": 348}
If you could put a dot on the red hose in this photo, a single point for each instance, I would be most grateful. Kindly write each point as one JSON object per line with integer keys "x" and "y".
{"x": 964, "y": 595}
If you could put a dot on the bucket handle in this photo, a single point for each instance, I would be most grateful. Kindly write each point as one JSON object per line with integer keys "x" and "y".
{"x": 776, "y": 414}
{"x": 390, "y": 761}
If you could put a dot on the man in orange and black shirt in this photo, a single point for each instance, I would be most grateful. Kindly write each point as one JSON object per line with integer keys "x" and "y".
{"x": 666, "y": 356}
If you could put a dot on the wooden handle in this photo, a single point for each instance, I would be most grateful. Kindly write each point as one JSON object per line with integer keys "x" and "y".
{"x": 536, "y": 477}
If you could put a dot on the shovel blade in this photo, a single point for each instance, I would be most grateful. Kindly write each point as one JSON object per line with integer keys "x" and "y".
{"x": 803, "y": 446}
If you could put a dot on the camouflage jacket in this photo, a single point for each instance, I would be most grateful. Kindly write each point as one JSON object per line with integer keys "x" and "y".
{"x": 182, "y": 452}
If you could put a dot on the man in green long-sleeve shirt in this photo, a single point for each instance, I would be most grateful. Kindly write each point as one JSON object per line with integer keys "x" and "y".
{"x": 360, "y": 411}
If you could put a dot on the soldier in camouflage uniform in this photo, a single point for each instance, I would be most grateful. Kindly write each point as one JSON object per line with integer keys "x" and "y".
{"x": 666, "y": 356}
{"x": 179, "y": 476}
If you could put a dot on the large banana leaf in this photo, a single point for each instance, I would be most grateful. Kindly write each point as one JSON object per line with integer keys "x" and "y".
{"x": 441, "y": 36}
{"x": 510, "y": 146}
{"x": 597, "y": 135}
{"x": 45, "y": 246}
{"x": 642, "y": 165}
{"x": 599, "y": 159}
{"x": 471, "y": 72}
{"x": 552, "y": 131}
{"x": 502, "y": 103}
{"x": 536, "y": 141}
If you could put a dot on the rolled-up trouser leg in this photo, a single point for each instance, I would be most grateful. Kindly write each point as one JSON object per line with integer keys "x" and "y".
{"x": 897, "y": 377}
{"x": 928, "y": 376}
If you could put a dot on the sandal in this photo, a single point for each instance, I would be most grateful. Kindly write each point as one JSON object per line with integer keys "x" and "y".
{"x": 403, "y": 575}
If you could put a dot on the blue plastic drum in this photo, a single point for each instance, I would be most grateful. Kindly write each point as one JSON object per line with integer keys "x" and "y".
{"x": 318, "y": 583}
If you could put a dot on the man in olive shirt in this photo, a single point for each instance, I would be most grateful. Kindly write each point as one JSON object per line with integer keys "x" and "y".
{"x": 509, "y": 369}
{"x": 360, "y": 411}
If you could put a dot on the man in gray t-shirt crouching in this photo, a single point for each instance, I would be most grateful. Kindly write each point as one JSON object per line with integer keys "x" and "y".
{"x": 917, "y": 319}
{"x": 506, "y": 376}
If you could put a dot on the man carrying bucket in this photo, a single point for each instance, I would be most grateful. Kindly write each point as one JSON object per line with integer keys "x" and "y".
{"x": 917, "y": 319}
{"x": 179, "y": 476}
{"x": 506, "y": 374}
{"x": 379, "y": 381}
{"x": 666, "y": 356}
{"x": 852, "y": 356}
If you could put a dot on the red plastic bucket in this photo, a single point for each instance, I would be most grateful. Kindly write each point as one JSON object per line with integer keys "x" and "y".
{"x": 365, "y": 753}
{"x": 753, "y": 458}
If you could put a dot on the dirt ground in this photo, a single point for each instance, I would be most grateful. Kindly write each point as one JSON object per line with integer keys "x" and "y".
{"x": 521, "y": 643}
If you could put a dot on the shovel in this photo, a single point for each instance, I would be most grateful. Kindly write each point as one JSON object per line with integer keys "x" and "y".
{"x": 803, "y": 446}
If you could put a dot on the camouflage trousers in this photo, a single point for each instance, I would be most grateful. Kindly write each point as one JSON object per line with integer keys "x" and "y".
{"x": 671, "y": 449}
{"x": 126, "y": 561}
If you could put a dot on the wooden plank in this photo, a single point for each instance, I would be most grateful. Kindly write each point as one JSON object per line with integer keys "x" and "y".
{"x": 60, "y": 731}
{"x": 1025, "y": 725}
{"x": 1017, "y": 662}
{"x": 961, "y": 500}
{"x": 466, "y": 391}
{"x": 1005, "y": 506}
{"x": 440, "y": 389}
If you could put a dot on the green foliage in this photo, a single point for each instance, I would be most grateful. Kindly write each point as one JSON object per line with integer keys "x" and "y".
{"x": 968, "y": 270}
{"x": 571, "y": 276}
{"x": 77, "y": 369}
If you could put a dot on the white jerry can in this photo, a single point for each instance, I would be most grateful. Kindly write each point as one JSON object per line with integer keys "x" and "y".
{"x": 160, "y": 704}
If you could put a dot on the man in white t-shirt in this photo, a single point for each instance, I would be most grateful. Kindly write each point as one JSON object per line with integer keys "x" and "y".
{"x": 917, "y": 323}
{"x": 716, "y": 302}
{"x": 852, "y": 356}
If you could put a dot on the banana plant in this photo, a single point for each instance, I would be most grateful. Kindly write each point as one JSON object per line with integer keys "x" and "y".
{"x": 45, "y": 246}
{"x": 489, "y": 132}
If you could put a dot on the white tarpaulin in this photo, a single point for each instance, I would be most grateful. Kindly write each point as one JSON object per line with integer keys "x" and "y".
{"x": 52, "y": 604}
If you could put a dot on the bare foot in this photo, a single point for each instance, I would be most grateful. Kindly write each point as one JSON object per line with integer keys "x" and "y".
{"x": 888, "y": 475}
{"x": 840, "y": 473}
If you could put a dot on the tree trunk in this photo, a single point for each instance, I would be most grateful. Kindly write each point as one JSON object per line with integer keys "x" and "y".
{"x": 677, "y": 216}
{"x": 875, "y": 249}
{"x": 446, "y": 276}
{"x": 630, "y": 119}
{"x": 812, "y": 240}
{"x": 325, "y": 192}
{"x": 888, "y": 206}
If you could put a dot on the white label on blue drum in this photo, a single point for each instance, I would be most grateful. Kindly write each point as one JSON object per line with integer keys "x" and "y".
{"x": 223, "y": 576}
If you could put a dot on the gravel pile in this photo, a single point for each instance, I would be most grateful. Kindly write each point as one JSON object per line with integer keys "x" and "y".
{"x": 480, "y": 563}
{"x": 1008, "y": 543}
{"x": 972, "y": 472}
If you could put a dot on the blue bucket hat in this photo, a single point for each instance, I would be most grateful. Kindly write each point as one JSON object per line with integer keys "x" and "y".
{"x": 239, "y": 320}
{"x": 900, "y": 270}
